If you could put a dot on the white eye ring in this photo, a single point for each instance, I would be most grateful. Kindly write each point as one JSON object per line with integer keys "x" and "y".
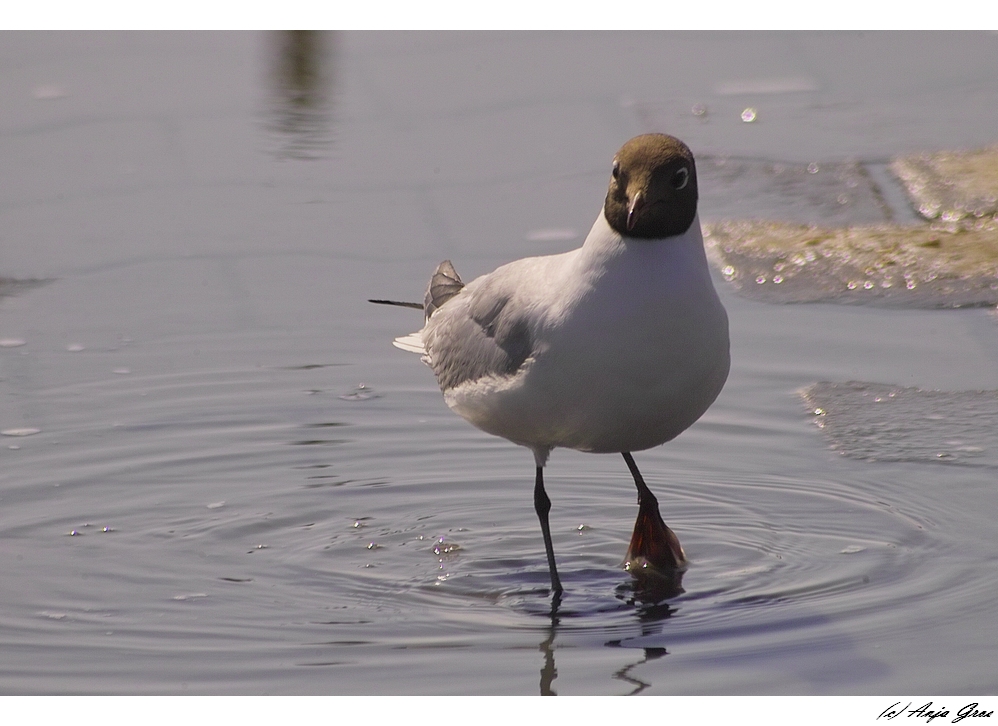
{"x": 681, "y": 178}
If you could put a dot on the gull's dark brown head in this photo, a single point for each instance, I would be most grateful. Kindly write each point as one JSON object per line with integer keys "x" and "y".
{"x": 653, "y": 188}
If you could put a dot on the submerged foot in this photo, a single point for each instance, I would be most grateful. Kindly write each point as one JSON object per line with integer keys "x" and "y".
{"x": 654, "y": 546}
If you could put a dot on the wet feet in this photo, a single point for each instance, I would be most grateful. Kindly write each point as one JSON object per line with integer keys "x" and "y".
{"x": 653, "y": 546}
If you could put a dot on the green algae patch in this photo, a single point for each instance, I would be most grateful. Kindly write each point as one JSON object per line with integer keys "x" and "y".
{"x": 956, "y": 187}
{"x": 828, "y": 193}
{"x": 883, "y": 422}
{"x": 882, "y": 264}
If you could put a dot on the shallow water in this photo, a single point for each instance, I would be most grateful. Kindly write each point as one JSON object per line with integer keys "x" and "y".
{"x": 220, "y": 477}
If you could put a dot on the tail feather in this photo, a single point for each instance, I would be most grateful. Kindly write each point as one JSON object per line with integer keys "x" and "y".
{"x": 444, "y": 285}
{"x": 412, "y": 343}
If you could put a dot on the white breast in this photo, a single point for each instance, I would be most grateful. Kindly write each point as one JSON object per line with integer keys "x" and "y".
{"x": 630, "y": 348}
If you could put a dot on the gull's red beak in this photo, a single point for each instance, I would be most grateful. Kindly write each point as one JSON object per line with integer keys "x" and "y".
{"x": 632, "y": 211}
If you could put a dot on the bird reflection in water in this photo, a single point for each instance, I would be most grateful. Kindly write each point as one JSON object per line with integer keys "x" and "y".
{"x": 548, "y": 670}
{"x": 623, "y": 674}
{"x": 648, "y": 592}
{"x": 301, "y": 81}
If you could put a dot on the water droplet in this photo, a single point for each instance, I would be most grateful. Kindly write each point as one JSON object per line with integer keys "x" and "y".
{"x": 852, "y": 284}
{"x": 74, "y": 533}
{"x": 699, "y": 109}
{"x": 843, "y": 199}
{"x": 910, "y": 284}
{"x": 373, "y": 546}
{"x": 216, "y": 505}
{"x": 358, "y": 524}
{"x": 813, "y": 168}
{"x": 74, "y": 348}
{"x": 106, "y": 529}
{"x": 777, "y": 279}
{"x": 12, "y": 342}
{"x": 819, "y": 412}
{"x": 20, "y": 432}
{"x": 749, "y": 115}
{"x": 442, "y": 547}
{"x": 728, "y": 271}
{"x": 851, "y": 550}
{"x": 760, "y": 279}
{"x": 868, "y": 285}
{"x": 361, "y": 393}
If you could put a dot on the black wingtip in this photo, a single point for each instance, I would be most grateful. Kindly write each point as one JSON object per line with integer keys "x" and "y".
{"x": 398, "y": 303}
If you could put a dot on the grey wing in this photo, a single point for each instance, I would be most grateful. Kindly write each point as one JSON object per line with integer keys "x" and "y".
{"x": 482, "y": 334}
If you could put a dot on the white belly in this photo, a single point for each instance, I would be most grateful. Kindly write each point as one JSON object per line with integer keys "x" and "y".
{"x": 633, "y": 363}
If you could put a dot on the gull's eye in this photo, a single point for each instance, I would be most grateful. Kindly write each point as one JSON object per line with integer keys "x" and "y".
{"x": 681, "y": 178}
{"x": 616, "y": 169}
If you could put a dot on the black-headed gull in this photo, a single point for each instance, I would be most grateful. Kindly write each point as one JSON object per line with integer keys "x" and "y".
{"x": 614, "y": 347}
